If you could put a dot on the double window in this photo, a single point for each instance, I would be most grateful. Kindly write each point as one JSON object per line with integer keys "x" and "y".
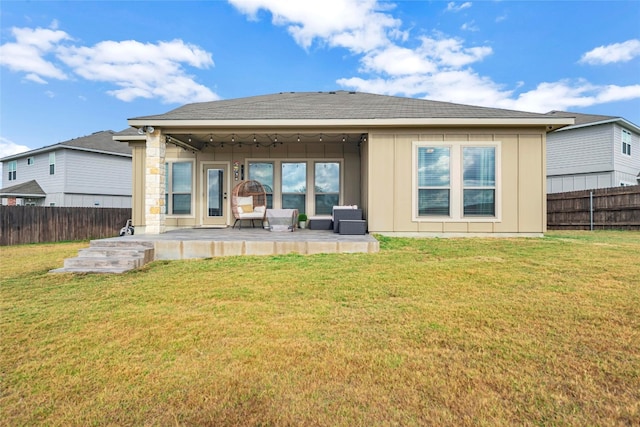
{"x": 456, "y": 181}
{"x": 178, "y": 188}
{"x": 626, "y": 142}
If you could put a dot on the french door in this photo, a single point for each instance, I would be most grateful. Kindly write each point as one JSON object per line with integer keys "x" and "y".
{"x": 215, "y": 210}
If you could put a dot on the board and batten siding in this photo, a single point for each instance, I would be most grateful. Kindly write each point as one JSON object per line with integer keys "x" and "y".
{"x": 389, "y": 187}
{"x": 580, "y": 151}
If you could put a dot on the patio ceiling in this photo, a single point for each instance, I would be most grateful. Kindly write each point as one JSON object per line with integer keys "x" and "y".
{"x": 200, "y": 140}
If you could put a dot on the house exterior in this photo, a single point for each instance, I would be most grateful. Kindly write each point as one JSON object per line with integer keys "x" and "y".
{"x": 415, "y": 167}
{"x": 83, "y": 172}
{"x": 596, "y": 152}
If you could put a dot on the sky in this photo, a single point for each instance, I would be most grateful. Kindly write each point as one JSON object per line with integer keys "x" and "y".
{"x": 72, "y": 68}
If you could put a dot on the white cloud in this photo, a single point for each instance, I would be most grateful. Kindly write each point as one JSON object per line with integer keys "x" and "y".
{"x": 138, "y": 70}
{"x": 142, "y": 70}
{"x": 616, "y": 52}
{"x": 565, "y": 94}
{"x": 359, "y": 25}
{"x": 27, "y": 54}
{"x": 9, "y": 148}
{"x": 470, "y": 26}
{"x": 453, "y": 7}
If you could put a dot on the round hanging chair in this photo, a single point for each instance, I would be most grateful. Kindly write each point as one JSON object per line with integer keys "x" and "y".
{"x": 248, "y": 202}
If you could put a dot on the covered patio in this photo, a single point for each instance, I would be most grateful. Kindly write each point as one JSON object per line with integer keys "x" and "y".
{"x": 214, "y": 242}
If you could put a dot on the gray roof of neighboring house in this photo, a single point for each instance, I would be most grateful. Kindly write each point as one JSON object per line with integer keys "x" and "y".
{"x": 582, "y": 120}
{"x": 332, "y": 105}
{"x": 100, "y": 142}
{"x": 26, "y": 189}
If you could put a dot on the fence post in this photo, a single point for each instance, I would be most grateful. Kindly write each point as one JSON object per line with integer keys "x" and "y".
{"x": 591, "y": 209}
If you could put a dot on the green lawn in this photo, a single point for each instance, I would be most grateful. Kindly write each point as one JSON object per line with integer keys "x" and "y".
{"x": 426, "y": 332}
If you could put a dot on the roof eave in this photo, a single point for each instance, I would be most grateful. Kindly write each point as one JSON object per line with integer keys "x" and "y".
{"x": 30, "y": 196}
{"x": 549, "y": 123}
{"x": 626, "y": 123}
{"x": 60, "y": 146}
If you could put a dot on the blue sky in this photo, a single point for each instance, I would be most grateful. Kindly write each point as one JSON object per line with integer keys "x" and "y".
{"x": 69, "y": 69}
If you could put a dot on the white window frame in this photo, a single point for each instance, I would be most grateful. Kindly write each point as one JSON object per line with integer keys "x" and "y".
{"x": 626, "y": 142}
{"x": 52, "y": 163}
{"x": 310, "y": 203}
{"x": 12, "y": 167}
{"x": 456, "y": 184}
{"x": 31, "y": 160}
{"x": 169, "y": 190}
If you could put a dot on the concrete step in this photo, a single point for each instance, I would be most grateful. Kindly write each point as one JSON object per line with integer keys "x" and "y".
{"x": 91, "y": 270}
{"x": 109, "y": 256}
{"x": 104, "y": 262}
{"x": 120, "y": 243}
{"x": 134, "y": 252}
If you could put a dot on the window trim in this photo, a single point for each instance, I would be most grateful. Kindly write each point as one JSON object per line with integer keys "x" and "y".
{"x": 626, "y": 142}
{"x": 52, "y": 163}
{"x": 314, "y": 164}
{"x": 456, "y": 182}
{"x": 310, "y": 194}
{"x": 169, "y": 190}
{"x": 12, "y": 167}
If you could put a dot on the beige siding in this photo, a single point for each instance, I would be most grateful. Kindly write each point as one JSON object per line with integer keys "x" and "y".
{"x": 531, "y": 192}
{"x": 510, "y": 182}
{"x": 389, "y": 181}
{"x": 382, "y": 167}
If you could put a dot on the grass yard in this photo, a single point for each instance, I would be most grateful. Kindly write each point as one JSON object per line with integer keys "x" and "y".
{"x": 427, "y": 332}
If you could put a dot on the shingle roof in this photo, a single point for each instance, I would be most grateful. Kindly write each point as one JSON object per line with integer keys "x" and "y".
{"x": 582, "y": 119}
{"x": 101, "y": 141}
{"x": 332, "y": 105}
{"x": 29, "y": 188}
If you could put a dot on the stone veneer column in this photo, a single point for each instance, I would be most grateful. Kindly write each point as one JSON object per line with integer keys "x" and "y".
{"x": 154, "y": 206}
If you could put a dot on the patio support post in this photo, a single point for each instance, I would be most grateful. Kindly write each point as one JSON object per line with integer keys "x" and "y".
{"x": 154, "y": 206}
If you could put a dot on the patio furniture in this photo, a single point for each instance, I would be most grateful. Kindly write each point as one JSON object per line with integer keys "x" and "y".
{"x": 345, "y": 213}
{"x": 353, "y": 226}
{"x": 320, "y": 223}
{"x": 248, "y": 202}
{"x": 282, "y": 219}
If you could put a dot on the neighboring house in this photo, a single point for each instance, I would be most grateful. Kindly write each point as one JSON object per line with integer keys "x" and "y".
{"x": 88, "y": 171}
{"x": 595, "y": 152}
{"x": 416, "y": 167}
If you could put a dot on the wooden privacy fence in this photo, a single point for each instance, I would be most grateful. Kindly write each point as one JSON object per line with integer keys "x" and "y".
{"x": 40, "y": 224}
{"x": 613, "y": 208}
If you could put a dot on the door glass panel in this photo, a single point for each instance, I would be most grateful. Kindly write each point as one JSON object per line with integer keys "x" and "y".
{"x": 215, "y": 199}
{"x": 294, "y": 186}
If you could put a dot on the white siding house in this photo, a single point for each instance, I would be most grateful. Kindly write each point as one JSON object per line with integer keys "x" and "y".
{"x": 596, "y": 152}
{"x": 93, "y": 170}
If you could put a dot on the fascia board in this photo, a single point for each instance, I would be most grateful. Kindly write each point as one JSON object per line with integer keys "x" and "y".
{"x": 624, "y": 123}
{"x": 56, "y": 148}
{"x": 23, "y": 195}
{"x": 367, "y": 123}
